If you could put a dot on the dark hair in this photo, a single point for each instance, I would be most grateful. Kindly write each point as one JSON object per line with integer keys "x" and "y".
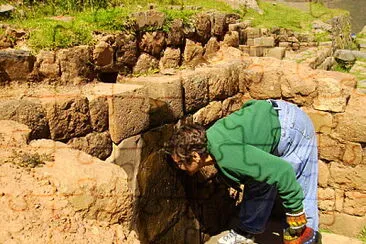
{"x": 188, "y": 138}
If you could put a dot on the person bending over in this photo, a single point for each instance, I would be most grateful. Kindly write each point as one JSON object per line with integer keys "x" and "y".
{"x": 270, "y": 147}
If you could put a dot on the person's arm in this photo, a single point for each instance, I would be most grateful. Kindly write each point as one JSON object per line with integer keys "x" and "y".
{"x": 239, "y": 161}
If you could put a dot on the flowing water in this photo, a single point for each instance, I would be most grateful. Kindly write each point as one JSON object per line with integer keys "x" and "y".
{"x": 357, "y": 8}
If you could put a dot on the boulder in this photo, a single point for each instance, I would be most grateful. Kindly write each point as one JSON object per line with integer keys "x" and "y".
{"x": 234, "y": 103}
{"x": 75, "y": 65}
{"x": 322, "y": 121}
{"x": 218, "y": 24}
{"x": 276, "y": 52}
{"x": 16, "y": 64}
{"x": 29, "y": 113}
{"x": 351, "y": 125}
{"x": 345, "y": 55}
{"x": 103, "y": 54}
{"x": 265, "y": 41}
{"x": 97, "y": 144}
{"x": 146, "y": 63}
{"x": 331, "y": 95}
{"x": 208, "y": 114}
{"x": 203, "y": 27}
{"x": 175, "y": 36}
{"x": 67, "y": 117}
{"x": 126, "y": 50}
{"x": 355, "y": 203}
{"x": 48, "y": 66}
{"x": 153, "y": 43}
{"x": 231, "y": 39}
{"x": 93, "y": 188}
{"x": 6, "y": 10}
{"x": 330, "y": 148}
{"x": 170, "y": 59}
{"x": 195, "y": 90}
{"x": 347, "y": 178}
{"x": 193, "y": 53}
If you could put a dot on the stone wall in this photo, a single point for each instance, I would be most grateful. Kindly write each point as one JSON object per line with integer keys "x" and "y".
{"x": 127, "y": 123}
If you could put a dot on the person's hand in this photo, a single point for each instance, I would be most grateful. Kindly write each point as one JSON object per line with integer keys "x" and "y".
{"x": 297, "y": 231}
{"x": 305, "y": 235}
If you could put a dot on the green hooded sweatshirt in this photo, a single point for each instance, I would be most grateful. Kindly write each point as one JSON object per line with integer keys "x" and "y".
{"x": 243, "y": 144}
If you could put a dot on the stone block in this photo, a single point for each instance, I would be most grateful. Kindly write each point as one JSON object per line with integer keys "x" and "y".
{"x": 175, "y": 36}
{"x": 99, "y": 114}
{"x": 145, "y": 64}
{"x": 211, "y": 48}
{"x": 48, "y": 66}
{"x": 339, "y": 194}
{"x": 326, "y": 198}
{"x": 203, "y": 27}
{"x": 355, "y": 203}
{"x": 234, "y": 103}
{"x": 103, "y": 54}
{"x": 153, "y": 43}
{"x": 351, "y": 125}
{"x": 170, "y": 59}
{"x": 330, "y": 96}
{"x": 322, "y": 121}
{"x": 250, "y": 42}
{"x": 347, "y": 177}
{"x": 255, "y": 51}
{"x": 330, "y": 148}
{"x": 218, "y": 24}
{"x": 126, "y": 50}
{"x": 343, "y": 224}
{"x": 17, "y": 64}
{"x": 245, "y": 49}
{"x": 284, "y": 44}
{"x": 193, "y": 53}
{"x": 265, "y": 41}
{"x": 223, "y": 80}
{"x": 352, "y": 154}
{"x": 165, "y": 93}
{"x": 253, "y": 32}
{"x": 96, "y": 144}
{"x": 276, "y": 52}
{"x": 195, "y": 90}
{"x": 128, "y": 111}
{"x": 30, "y": 113}
{"x": 67, "y": 116}
{"x": 323, "y": 174}
{"x": 75, "y": 65}
{"x": 231, "y": 39}
{"x": 208, "y": 114}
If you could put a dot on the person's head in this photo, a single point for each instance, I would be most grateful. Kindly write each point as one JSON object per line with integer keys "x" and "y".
{"x": 188, "y": 148}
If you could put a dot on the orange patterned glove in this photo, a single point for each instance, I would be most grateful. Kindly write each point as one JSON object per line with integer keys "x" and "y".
{"x": 297, "y": 231}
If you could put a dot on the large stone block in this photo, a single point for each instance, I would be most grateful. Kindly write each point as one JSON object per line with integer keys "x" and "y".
{"x": 103, "y": 54}
{"x": 330, "y": 148}
{"x": 323, "y": 121}
{"x": 96, "y": 144}
{"x": 193, "y": 53}
{"x": 203, "y": 27}
{"x": 341, "y": 223}
{"x": 256, "y": 51}
{"x": 231, "y": 39}
{"x": 29, "y": 113}
{"x": 351, "y": 125}
{"x": 347, "y": 177}
{"x": 234, "y": 103}
{"x": 208, "y": 114}
{"x": 153, "y": 43}
{"x": 94, "y": 189}
{"x": 128, "y": 111}
{"x": 165, "y": 93}
{"x": 330, "y": 96}
{"x": 266, "y": 41}
{"x": 223, "y": 80}
{"x": 262, "y": 79}
{"x": 170, "y": 59}
{"x": 253, "y": 32}
{"x": 276, "y": 52}
{"x": 211, "y": 48}
{"x": 17, "y": 64}
{"x": 195, "y": 90}
{"x": 46, "y": 60}
{"x": 146, "y": 63}
{"x": 126, "y": 50}
{"x": 355, "y": 203}
{"x": 218, "y": 24}
{"x": 13, "y": 134}
{"x": 75, "y": 65}
{"x": 175, "y": 36}
{"x": 149, "y": 18}
{"x": 67, "y": 117}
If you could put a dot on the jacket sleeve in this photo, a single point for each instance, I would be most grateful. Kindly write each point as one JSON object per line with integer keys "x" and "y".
{"x": 261, "y": 166}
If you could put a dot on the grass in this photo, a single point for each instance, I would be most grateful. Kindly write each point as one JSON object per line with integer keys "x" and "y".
{"x": 112, "y": 16}
{"x": 362, "y": 235}
{"x": 29, "y": 160}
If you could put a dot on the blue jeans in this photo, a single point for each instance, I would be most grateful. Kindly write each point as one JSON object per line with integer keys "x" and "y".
{"x": 298, "y": 146}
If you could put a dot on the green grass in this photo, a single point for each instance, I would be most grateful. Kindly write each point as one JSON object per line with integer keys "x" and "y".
{"x": 114, "y": 15}
{"x": 362, "y": 235}
{"x": 322, "y": 37}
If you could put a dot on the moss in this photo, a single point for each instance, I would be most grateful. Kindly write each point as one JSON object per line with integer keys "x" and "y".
{"x": 362, "y": 235}
{"x": 28, "y": 159}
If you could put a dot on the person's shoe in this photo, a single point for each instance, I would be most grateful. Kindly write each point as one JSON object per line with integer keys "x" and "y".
{"x": 234, "y": 238}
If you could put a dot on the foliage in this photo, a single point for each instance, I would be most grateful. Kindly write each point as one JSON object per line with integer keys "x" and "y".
{"x": 339, "y": 67}
{"x": 322, "y": 37}
{"x": 362, "y": 235}
{"x": 29, "y": 160}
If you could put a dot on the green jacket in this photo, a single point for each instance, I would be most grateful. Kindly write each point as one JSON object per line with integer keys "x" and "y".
{"x": 242, "y": 145}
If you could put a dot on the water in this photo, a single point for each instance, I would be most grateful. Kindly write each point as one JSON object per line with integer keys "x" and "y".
{"x": 357, "y": 9}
